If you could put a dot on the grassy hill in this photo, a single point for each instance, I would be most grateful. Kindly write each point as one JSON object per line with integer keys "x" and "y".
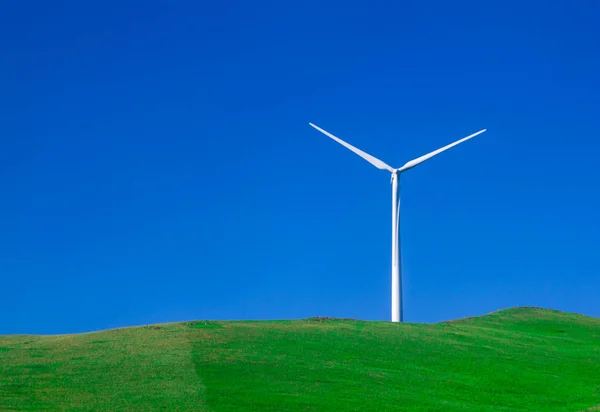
{"x": 522, "y": 359}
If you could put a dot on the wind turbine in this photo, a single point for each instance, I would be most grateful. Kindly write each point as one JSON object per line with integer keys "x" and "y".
{"x": 396, "y": 263}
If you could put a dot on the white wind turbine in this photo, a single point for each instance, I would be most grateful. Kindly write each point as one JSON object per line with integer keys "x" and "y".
{"x": 396, "y": 263}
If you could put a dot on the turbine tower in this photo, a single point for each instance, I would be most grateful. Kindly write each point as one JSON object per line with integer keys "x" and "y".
{"x": 396, "y": 262}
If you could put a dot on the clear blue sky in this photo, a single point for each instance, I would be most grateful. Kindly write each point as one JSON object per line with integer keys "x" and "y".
{"x": 157, "y": 165}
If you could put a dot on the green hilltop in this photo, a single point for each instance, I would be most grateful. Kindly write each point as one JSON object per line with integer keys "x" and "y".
{"x": 522, "y": 359}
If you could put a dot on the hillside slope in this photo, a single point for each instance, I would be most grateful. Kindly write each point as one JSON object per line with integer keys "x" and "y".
{"x": 522, "y": 359}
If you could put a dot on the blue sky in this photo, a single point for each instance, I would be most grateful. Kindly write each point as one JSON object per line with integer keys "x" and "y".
{"x": 157, "y": 165}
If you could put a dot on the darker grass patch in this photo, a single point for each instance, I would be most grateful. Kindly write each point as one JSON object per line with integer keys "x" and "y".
{"x": 14, "y": 386}
{"x": 5, "y": 349}
{"x": 489, "y": 364}
{"x": 40, "y": 367}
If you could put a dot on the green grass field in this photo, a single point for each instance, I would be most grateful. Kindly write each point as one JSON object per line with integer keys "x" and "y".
{"x": 522, "y": 359}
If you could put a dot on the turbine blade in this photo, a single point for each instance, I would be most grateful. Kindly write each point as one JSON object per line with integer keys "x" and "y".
{"x": 419, "y": 160}
{"x": 373, "y": 160}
